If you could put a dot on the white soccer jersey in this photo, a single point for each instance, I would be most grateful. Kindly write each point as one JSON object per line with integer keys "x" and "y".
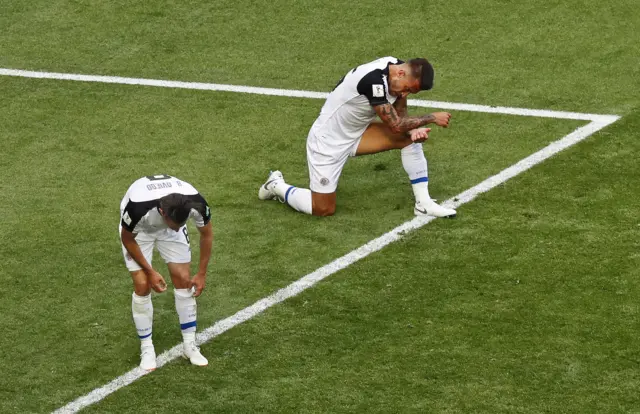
{"x": 348, "y": 110}
{"x": 139, "y": 207}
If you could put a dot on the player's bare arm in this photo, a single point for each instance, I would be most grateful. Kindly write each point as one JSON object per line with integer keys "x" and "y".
{"x": 401, "y": 124}
{"x": 156, "y": 280}
{"x": 130, "y": 243}
{"x": 400, "y": 106}
{"x": 416, "y": 135}
{"x": 206, "y": 241}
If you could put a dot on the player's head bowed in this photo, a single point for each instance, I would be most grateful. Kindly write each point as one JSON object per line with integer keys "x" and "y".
{"x": 421, "y": 69}
{"x": 410, "y": 77}
{"x": 176, "y": 208}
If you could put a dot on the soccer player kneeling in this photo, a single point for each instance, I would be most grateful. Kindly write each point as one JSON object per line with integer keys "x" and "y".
{"x": 346, "y": 127}
{"x": 154, "y": 212}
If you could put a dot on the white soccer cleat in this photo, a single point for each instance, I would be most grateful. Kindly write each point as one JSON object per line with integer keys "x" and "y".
{"x": 192, "y": 353}
{"x": 430, "y": 208}
{"x": 266, "y": 190}
{"x": 147, "y": 358}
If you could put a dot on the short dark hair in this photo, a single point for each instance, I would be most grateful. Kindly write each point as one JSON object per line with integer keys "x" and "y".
{"x": 177, "y": 207}
{"x": 422, "y": 69}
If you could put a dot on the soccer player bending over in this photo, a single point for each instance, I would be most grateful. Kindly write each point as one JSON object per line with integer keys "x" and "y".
{"x": 154, "y": 211}
{"x": 346, "y": 128}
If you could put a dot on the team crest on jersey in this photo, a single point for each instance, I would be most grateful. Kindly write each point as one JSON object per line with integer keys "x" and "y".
{"x": 126, "y": 218}
{"x": 378, "y": 91}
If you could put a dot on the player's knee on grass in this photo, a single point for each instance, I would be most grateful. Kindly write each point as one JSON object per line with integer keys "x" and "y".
{"x": 324, "y": 211}
{"x": 323, "y": 205}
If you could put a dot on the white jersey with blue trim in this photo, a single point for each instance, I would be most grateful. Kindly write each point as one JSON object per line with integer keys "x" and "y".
{"x": 349, "y": 108}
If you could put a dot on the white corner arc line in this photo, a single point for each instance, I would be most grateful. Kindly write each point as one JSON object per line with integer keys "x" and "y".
{"x": 340, "y": 263}
{"x": 292, "y": 93}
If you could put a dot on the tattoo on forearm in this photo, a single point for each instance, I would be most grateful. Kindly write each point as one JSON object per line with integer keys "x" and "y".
{"x": 411, "y": 122}
{"x": 401, "y": 107}
{"x": 398, "y": 123}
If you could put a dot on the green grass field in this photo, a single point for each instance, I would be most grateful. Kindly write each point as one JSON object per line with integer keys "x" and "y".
{"x": 528, "y": 302}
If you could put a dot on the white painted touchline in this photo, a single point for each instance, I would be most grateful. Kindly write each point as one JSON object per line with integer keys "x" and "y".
{"x": 296, "y": 94}
{"x": 312, "y": 278}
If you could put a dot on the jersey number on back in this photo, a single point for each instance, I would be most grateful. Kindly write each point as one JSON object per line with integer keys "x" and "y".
{"x": 158, "y": 177}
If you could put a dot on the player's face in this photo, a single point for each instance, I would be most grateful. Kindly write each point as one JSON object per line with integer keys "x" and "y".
{"x": 403, "y": 86}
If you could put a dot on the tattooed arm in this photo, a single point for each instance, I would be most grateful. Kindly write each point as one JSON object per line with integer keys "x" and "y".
{"x": 400, "y": 106}
{"x": 400, "y": 124}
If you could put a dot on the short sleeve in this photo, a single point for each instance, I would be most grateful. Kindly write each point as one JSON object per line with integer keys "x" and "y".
{"x": 201, "y": 212}
{"x": 133, "y": 213}
{"x": 373, "y": 87}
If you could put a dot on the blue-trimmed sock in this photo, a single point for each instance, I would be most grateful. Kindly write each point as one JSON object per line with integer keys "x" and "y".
{"x": 298, "y": 198}
{"x": 142, "y": 311}
{"x": 187, "y": 313}
{"x": 415, "y": 165}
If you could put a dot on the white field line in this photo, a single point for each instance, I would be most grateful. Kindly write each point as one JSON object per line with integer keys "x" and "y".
{"x": 296, "y": 94}
{"x": 338, "y": 264}
{"x": 598, "y": 122}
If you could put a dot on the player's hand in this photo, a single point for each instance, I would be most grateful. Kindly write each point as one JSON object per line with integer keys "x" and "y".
{"x": 197, "y": 283}
{"x": 156, "y": 281}
{"x": 419, "y": 134}
{"x": 442, "y": 118}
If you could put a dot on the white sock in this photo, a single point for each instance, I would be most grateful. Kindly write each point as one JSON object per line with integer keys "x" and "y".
{"x": 298, "y": 198}
{"x": 187, "y": 313}
{"x": 142, "y": 310}
{"x": 415, "y": 164}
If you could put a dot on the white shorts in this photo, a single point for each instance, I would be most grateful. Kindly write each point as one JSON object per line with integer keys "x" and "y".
{"x": 326, "y": 157}
{"x": 173, "y": 246}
